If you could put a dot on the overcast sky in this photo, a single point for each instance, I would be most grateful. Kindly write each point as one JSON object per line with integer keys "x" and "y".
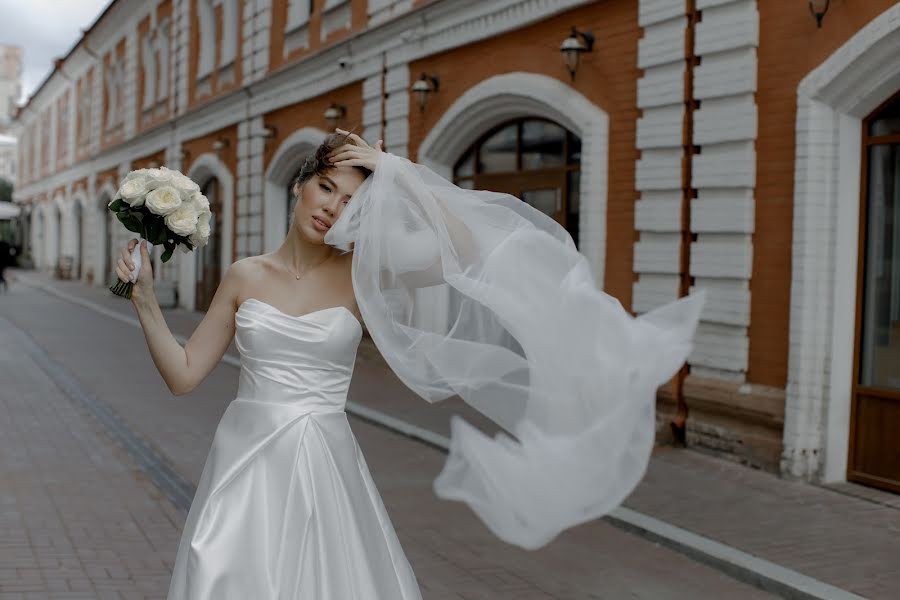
{"x": 45, "y": 29}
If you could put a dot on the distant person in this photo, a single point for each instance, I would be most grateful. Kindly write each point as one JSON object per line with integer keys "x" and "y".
{"x": 5, "y": 261}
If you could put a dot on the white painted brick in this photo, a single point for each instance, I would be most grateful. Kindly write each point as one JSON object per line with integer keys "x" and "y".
{"x": 653, "y": 290}
{"x": 726, "y": 119}
{"x": 397, "y": 106}
{"x": 256, "y": 203}
{"x": 396, "y": 133}
{"x": 661, "y": 127}
{"x": 397, "y": 78}
{"x": 725, "y": 165}
{"x": 722, "y": 255}
{"x": 723, "y": 210}
{"x": 654, "y": 11}
{"x": 662, "y": 43}
{"x": 657, "y": 253}
{"x": 372, "y": 87}
{"x": 727, "y": 300}
{"x": 728, "y": 26}
{"x": 720, "y": 347}
{"x": 726, "y": 74}
{"x": 661, "y": 85}
{"x": 659, "y": 170}
{"x": 658, "y": 214}
{"x": 372, "y": 112}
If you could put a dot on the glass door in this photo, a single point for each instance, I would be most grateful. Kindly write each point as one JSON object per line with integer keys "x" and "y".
{"x": 875, "y": 422}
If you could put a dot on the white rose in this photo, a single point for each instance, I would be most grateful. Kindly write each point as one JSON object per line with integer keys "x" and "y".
{"x": 159, "y": 177}
{"x": 200, "y": 202}
{"x": 163, "y": 200}
{"x": 135, "y": 173}
{"x": 201, "y": 236}
{"x": 185, "y": 186}
{"x": 183, "y": 220}
{"x": 133, "y": 190}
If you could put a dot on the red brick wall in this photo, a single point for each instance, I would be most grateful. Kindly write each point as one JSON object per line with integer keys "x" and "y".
{"x": 607, "y": 77}
{"x": 790, "y": 47}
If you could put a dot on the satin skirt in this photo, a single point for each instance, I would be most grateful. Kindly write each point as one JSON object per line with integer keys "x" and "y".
{"x": 286, "y": 509}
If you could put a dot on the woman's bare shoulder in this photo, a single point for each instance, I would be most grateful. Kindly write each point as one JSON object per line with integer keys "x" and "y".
{"x": 246, "y": 274}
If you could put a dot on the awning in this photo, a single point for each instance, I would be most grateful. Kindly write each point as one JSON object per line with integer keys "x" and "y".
{"x": 8, "y": 211}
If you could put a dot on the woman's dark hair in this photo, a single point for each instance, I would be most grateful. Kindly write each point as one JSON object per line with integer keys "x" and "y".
{"x": 317, "y": 162}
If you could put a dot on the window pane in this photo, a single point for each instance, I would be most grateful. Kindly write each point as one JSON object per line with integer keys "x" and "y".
{"x": 574, "y": 148}
{"x": 888, "y": 121}
{"x": 573, "y": 202}
{"x": 498, "y": 152}
{"x": 543, "y": 145}
{"x": 547, "y": 201}
{"x": 880, "y": 348}
{"x": 466, "y": 166}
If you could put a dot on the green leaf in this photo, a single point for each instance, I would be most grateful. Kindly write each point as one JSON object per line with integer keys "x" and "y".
{"x": 156, "y": 230}
{"x": 132, "y": 224}
{"x": 117, "y": 205}
{"x": 167, "y": 254}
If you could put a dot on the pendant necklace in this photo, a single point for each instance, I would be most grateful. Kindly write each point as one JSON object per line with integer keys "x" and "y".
{"x": 308, "y": 270}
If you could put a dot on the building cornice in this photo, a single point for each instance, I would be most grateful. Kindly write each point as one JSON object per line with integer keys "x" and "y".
{"x": 432, "y": 28}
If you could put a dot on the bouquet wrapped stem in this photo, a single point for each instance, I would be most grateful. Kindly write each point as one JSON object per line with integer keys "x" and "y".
{"x": 124, "y": 288}
{"x": 164, "y": 207}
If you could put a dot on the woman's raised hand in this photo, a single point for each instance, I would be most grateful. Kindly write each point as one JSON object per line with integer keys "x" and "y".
{"x": 125, "y": 265}
{"x": 356, "y": 152}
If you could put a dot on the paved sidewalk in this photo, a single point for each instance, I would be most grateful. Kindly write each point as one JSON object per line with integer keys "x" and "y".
{"x": 844, "y": 535}
{"x": 118, "y": 537}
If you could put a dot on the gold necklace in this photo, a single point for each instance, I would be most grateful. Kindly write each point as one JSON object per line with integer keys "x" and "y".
{"x": 308, "y": 270}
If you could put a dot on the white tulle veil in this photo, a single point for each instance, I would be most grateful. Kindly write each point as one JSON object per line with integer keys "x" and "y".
{"x": 478, "y": 294}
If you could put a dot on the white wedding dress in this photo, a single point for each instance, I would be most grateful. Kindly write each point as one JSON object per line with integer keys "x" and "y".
{"x": 286, "y": 508}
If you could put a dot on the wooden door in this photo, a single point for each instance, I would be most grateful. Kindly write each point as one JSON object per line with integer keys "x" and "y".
{"x": 875, "y": 405}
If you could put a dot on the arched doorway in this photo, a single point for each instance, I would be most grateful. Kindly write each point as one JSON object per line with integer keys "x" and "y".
{"x": 209, "y": 257}
{"x": 875, "y": 409}
{"x": 534, "y": 159}
{"x": 281, "y": 171}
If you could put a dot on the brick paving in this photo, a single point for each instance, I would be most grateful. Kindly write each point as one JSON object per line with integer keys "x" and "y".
{"x": 77, "y": 520}
{"x": 845, "y": 540}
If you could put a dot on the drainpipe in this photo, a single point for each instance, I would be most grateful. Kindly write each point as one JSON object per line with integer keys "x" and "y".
{"x": 688, "y": 193}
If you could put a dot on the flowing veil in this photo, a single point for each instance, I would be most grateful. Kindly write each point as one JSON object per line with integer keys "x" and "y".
{"x": 479, "y": 294}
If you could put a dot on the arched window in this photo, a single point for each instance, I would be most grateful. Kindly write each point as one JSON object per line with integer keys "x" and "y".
{"x": 533, "y": 159}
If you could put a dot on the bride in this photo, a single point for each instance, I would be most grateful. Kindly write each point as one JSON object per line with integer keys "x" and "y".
{"x": 464, "y": 292}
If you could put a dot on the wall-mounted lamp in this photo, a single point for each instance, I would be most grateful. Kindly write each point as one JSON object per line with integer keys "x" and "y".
{"x": 220, "y": 144}
{"x": 818, "y": 8}
{"x": 425, "y": 85}
{"x": 574, "y": 46}
{"x": 268, "y": 131}
{"x": 334, "y": 113}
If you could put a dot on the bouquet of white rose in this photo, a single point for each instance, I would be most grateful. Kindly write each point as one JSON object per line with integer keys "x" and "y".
{"x": 163, "y": 206}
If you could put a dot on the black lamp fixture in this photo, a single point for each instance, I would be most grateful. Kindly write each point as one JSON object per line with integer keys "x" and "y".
{"x": 574, "y": 46}
{"x": 818, "y": 8}
{"x": 334, "y": 113}
{"x": 220, "y": 144}
{"x": 425, "y": 85}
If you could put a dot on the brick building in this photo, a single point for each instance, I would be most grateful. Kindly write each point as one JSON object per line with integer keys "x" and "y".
{"x": 733, "y": 145}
